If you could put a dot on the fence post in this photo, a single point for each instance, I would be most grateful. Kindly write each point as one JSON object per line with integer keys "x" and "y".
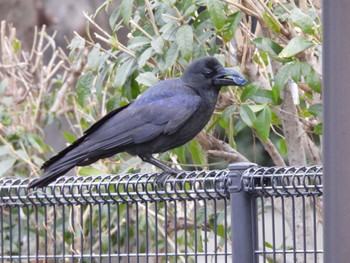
{"x": 336, "y": 111}
{"x": 243, "y": 225}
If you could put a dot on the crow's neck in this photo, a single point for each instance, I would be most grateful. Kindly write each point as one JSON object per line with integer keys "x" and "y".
{"x": 207, "y": 106}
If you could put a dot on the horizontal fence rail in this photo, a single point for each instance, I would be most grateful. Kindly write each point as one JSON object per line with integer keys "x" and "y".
{"x": 115, "y": 188}
{"x": 283, "y": 181}
{"x": 244, "y": 214}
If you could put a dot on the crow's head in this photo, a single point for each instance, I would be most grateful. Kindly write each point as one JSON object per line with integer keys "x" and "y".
{"x": 208, "y": 72}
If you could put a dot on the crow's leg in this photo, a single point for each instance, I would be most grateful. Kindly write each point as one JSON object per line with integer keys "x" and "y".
{"x": 150, "y": 159}
{"x": 160, "y": 180}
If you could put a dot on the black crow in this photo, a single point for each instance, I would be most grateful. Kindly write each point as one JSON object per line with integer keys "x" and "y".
{"x": 166, "y": 116}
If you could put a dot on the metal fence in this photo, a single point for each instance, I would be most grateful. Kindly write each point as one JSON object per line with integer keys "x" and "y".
{"x": 274, "y": 215}
{"x": 282, "y": 210}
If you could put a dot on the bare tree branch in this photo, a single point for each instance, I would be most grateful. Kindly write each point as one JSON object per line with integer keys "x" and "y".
{"x": 218, "y": 148}
{"x": 292, "y": 128}
{"x": 274, "y": 154}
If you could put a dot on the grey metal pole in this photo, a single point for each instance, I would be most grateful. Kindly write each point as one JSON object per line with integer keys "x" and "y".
{"x": 336, "y": 140}
{"x": 243, "y": 225}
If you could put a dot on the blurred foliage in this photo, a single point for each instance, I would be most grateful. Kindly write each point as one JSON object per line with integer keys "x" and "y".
{"x": 276, "y": 44}
{"x": 271, "y": 43}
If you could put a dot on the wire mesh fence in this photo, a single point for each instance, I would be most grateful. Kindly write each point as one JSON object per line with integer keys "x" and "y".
{"x": 238, "y": 215}
{"x": 287, "y": 213}
{"x": 127, "y": 218}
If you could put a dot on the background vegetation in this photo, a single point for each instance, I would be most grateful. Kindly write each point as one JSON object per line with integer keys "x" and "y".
{"x": 275, "y": 120}
{"x": 277, "y": 45}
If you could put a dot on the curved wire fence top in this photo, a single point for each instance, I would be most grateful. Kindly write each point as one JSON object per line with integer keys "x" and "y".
{"x": 274, "y": 181}
{"x": 116, "y": 189}
{"x": 284, "y": 181}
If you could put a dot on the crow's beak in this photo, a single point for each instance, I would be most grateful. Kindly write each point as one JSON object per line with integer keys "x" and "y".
{"x": 229, "y": 77}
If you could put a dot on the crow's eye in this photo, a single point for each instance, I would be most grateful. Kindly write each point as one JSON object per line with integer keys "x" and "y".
{"x": 208, "y": 74}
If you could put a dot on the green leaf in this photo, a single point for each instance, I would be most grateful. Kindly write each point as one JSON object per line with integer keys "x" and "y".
{"x": 158, "y": 44}
{"x": 217, "y": 13}
{"x": 286, "y": 72}
{"x": 197, "y": 152}
{"x": 184, "y": 40}
{"x": 302, "y": 20}
{"x": 295, "y": 70}
{"x": 257, "y": 107}
{"x": 69, "y": 137}
{"x": 87, "y": 171}
{"x": 283, "y": 146}
{"x": 263, "y": 122}
{"x": 199, "y": 243}
{"x": 202, "y": 19}
{"x": 6, "y": 165}
{"x": 113, "y": 18}
{"x": 132, "y": 90}
{"x": 311, "y": 77}
{"x": 17, "y": 45}
{"x": 36, "y": 142}
{"x": 77, "y": 43}
{"x": 221, "y": 231}
{"x": 249, "y": 91}
{"x": 267, "y": 45}
{"x": 228, "y": 112}
{"x": 295, "y": 46}
{"x": 138, "y": 41}
{"x": 102, "y": 77}
{"x": 126, "y": 10}
{"x": 318, "y": 129}
{"x": 171, "y": 56}
{"x": 316, "y": 109}
{"x": 190, "y": 8}
{"x": 239, "y": 126}
{"x": 314, "y": 81}
{"x": 263, "y": 96}
{"x": 231, "y": 25}
{"x": 181, "y": 153}
{"x": 123, "y": 72}
{"x": 275, "y": 94}
{"x": 271, "y": 23}
{"x": 147, "y": 79}
{"x": 268, "y": 245}
{"x": 282, "y": 76}
{"x": 93, "y": 57}
{"x": 84, "y": 86}
{"x": 144, "y": 57}
{"x": 247, "y": 115}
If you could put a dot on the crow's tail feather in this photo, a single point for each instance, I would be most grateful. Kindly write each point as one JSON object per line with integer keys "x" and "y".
{"x": 55, "y": 170}
{"x": 49, "y": 176}
{"x": 42, "y": 181}
{"x": 61, "y": 164}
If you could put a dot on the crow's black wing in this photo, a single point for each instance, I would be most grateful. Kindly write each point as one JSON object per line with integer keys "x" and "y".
{"x": 105, "y": 118}
{"x": 76, "y": 143}
{"x": 143, "y": 122}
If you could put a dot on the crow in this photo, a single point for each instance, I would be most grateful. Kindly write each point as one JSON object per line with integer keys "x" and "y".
{"x": 165, "y": 116}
